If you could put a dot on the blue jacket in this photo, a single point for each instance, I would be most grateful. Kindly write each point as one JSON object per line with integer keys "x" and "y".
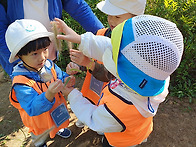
{"x": 32, "y": 102}
{"x": 78, "y": 9}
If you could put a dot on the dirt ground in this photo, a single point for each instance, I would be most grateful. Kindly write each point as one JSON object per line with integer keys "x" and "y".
{"x": 174, "y": 126}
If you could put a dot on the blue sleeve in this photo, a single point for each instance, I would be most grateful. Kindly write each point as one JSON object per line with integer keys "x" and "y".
{"x": 4, "y": 51}
{"x": 82, "y": 13}
{"x": 33, "y": 103}
{"x": 60, "y": 74}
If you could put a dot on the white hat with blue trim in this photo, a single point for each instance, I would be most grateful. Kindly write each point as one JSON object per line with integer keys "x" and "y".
{"x": 146, "y": 50}
{"x": 21, "y": 32}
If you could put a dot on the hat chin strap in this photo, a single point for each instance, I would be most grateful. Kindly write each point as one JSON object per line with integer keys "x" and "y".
{"x": 30, "y": 66}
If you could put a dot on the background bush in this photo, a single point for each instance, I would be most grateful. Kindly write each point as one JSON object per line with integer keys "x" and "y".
{"x": 181, "y": 12}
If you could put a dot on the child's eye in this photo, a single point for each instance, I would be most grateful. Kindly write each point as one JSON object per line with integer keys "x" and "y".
{"x": 46, "y": 49}
{"x": 117, "y": 16}
{"x": 34, "y": 54}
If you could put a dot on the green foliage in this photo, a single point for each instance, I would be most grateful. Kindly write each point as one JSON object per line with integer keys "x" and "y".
{"x": 63, "y": 57}
{"x": 182, "y": 13}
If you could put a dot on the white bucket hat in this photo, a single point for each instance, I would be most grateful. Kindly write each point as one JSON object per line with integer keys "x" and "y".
{"x": 21, "y": 32}
{"x": 146, "y": 50}
{"x": 118, "y": 7}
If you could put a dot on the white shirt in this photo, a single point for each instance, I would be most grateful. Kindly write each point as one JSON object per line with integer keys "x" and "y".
{"x": 98, "y": 118}
{"x": 37, "y": 10}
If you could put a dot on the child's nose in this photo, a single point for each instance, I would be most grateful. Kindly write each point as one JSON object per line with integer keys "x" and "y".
{"x": 42, "y": 56}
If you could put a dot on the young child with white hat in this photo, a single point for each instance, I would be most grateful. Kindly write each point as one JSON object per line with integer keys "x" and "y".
{"x": 142, "y": 54}
{"x": 37, "y": 82}
{"x": 117, "y": 11}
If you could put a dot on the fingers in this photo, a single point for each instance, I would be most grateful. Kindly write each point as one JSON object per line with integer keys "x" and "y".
{"x": 56, "y": 86}
{"x": 76, "y": 56}
{"x": 70, "y": 35}
{"x": 71, "y": 66}
{"x": 68, "y": 69}
{"x": 75, "y": 52}
{"x": 71, "y": 81}
{"x": 62, "y": 37}
{"x": 61, "y": 25}
{"x": 61, "y": 22}
{"x": 67, "y": 90}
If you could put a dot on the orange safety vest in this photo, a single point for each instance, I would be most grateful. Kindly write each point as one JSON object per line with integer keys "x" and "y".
{"x": 38, "y": 124}
{"x": 136, "y": 128}
{"x": 87, "y": 89}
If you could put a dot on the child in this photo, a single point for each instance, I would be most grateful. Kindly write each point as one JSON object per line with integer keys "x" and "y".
{"x": 36, "y": 82}
{"x": 144, "y": 51}
{"x": 117, "y": 12}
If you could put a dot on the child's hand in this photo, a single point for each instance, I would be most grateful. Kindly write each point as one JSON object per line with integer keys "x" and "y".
{"x": 69, "y": 81}
{"x": 70, "y": 67}
{"x": 54, "y": 88}
{"x": 79, "y": 58}
{"x": 70, "y": 35}
{"x": 67, "y": 90}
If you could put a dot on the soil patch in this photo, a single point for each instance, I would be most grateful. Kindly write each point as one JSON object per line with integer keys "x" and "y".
{"x": 174, "y": 125}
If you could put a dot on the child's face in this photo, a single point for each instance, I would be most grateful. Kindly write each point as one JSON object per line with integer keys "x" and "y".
{"x": 113, "y": 21}
{"x": 36, "y": 59}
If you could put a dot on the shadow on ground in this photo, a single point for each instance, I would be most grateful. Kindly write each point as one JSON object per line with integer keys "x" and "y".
{"x": 174, "y": 126}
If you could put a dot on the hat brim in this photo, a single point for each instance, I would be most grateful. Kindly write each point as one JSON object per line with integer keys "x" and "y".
{"x": 21, "y": 44}
{"x": 108, "y": 62}
{"x": 110, "y": 9}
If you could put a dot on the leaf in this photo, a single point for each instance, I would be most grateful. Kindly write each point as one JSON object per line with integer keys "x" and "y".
{"x": 68, "y": 79}
{"x": 74, "y": 69}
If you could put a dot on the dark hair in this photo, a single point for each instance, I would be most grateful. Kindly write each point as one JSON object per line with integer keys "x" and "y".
{"x": 34, "y": 45}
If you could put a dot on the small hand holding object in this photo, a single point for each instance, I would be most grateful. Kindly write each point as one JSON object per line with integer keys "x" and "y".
{"x": 69, "y": 81}
{"x": 70, "y": 35}
{"x": 79, "y": 58}
{"x": 68, "y": 85}
{"x": 54, "y": 88}
{"x": 72, "y": 68}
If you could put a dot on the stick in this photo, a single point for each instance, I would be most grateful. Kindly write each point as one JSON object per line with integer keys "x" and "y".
{"x": 74, "y": 69}
{"x": 57, "y": 42}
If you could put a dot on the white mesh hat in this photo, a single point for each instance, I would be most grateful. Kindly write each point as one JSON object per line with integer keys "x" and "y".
{"x": 146, "y": 51}
{"x": 21, "y": 32}
{"x": 119, "y": 7}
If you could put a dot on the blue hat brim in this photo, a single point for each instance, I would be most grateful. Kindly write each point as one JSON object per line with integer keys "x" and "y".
{"x": 134, "y": 78}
